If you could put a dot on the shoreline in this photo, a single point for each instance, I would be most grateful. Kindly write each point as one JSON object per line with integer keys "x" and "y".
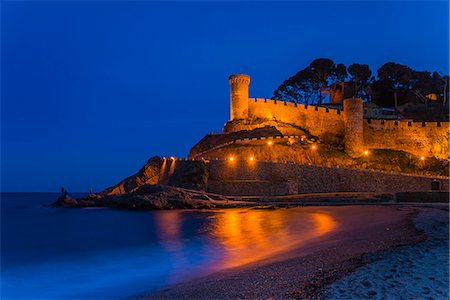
{"x": 376, "y": 231}
{"x": 157, "y": 197}
{"x": 416, "y": 271}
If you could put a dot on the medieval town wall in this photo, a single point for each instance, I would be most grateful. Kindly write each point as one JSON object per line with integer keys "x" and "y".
{"x": 319, "y": 121}
{"x": 419, "y": 138}
{"x": 241, "y": 177}
{"x": 346, "y": 127}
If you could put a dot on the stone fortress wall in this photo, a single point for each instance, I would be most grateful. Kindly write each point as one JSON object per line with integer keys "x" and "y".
{"x": 319, "y": 121}
{"x": 264, "y": 178}
{"x": 349, "y": 126}
{"x": 419, "y": 138}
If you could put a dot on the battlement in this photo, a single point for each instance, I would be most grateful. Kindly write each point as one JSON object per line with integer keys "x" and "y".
{"x": 381, "y": 123}
{"x": 239, "y": 78}
{"x": 293, "y": 105}
{"x": 347, "y": 126}
{"x": 419, "y": 138}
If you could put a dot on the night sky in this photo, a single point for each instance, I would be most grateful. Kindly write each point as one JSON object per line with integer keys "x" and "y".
{"x": 91, "y": 90}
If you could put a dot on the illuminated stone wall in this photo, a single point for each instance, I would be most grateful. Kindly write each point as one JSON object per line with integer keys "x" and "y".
{"x": 353, "y": 124}
{"x": 424, "y": 139}
{"x": 239, "y": 96}
{"x": 319, "y": 121}
{"x": 268, "y": 178}
{"x": 332, "y": 125}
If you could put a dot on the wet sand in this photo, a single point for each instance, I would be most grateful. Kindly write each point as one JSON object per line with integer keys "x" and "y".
{"x": 413, "y": 272}
{"x": 308, "y": 271}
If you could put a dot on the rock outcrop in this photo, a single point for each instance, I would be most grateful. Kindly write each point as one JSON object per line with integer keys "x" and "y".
{"x": 148, "y": 174}
{"x": 66, "y": 201}
{"x": 148, "y": 197}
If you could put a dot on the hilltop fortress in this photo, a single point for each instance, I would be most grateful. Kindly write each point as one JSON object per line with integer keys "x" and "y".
{"x": 347, "y": 127}
{"x": 271, "y": 148}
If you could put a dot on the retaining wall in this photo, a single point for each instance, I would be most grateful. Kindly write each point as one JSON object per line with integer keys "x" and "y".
{"x": 271, "y": 178}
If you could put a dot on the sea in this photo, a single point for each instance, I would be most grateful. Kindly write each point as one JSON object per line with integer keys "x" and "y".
{"x": 104, "y": 253}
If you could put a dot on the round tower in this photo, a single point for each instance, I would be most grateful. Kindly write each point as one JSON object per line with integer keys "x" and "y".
{"x": 239, "y": 96}
{"x": 353, "y": 122}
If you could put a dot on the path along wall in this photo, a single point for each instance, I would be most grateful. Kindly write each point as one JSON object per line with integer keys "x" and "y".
{"x": 270, "y": 178}
{"x": 319, "y": 121}
{"x": 419, "y": 138}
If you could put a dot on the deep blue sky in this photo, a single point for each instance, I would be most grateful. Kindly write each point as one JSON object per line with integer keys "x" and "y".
{"x": 91, "y": 90}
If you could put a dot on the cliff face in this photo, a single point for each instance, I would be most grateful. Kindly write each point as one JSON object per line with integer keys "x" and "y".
{"x": 148, "y": 174}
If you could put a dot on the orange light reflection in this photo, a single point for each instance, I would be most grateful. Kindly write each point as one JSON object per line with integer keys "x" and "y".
{"x": 252, "y": 235}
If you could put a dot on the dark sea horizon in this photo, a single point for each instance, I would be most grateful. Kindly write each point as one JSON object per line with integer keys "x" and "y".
{"x": 102, "y": 253}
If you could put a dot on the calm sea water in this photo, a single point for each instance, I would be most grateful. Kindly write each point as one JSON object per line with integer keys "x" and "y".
{"x": 99, "y": 253}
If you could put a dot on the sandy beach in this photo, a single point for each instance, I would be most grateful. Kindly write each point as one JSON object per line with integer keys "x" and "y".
{"x": 412, "y": 272}
{"x": 363, "y": 258}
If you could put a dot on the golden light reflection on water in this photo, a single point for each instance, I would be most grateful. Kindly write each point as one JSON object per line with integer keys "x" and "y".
{"x": 251, "y": 235}
{"x": 243, "y": 236}
{"x": 324, "y": 223}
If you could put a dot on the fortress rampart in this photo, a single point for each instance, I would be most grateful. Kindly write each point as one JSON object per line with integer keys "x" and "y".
{"x": 264, "y": 178}
{"x": 347, "y": 127}
{"x": 419, "y": 138}
{"x": 319, "y": 121}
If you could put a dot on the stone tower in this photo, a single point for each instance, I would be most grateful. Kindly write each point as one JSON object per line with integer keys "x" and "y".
{"x": 353, "y": 122}
{"x": 239, "y": 96}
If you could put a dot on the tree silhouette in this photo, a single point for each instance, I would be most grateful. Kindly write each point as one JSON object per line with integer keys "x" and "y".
{"x": 322, "y": 69}
{"x": 399, "y": 76}
{"x": 424, "y": 83}
{"x": 445, "y": 88}
{"x": 300, "y": 88}
{"x": 360, "y": 76}
{"x": 339, "y": 73}
{"x": 393, "y": 80}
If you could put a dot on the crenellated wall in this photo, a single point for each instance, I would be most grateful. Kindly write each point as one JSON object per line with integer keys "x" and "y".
{"x": 332, "y": 125}
{"x": 419, "y": 138}
{"x": 319, "y": 121}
